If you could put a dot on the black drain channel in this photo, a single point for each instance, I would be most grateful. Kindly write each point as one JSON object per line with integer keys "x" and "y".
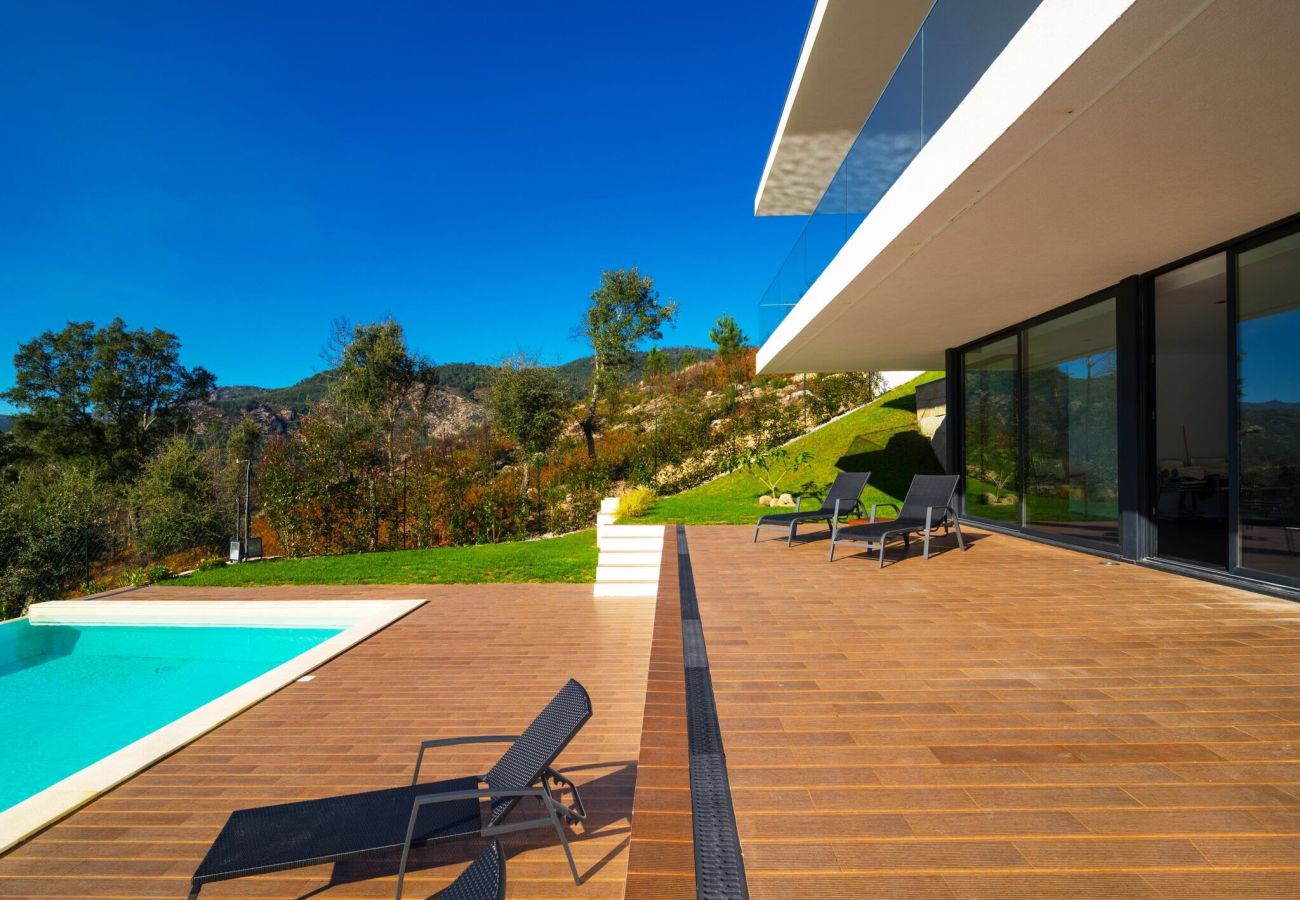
{"x": 719, "y": 865}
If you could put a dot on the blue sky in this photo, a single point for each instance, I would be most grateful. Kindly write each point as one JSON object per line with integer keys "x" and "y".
{"x": 242, "y": 173}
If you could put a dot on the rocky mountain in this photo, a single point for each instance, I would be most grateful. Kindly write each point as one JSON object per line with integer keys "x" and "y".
{"x": 457, "y": 407}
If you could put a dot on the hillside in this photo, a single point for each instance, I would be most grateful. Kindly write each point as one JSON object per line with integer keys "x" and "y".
{"x": 464, "y": 379}
{"x": 881, "y": 437}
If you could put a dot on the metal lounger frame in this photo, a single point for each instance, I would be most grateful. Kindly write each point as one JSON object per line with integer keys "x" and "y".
{"x": 821, "y": 514}
{"x": 904, "y": 527}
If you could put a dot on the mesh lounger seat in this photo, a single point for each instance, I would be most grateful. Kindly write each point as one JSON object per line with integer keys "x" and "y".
{"x": 311, "y": 832}
{"x": 485, "y": 879}
{"x": 841, "y": 500}
{"x": 928, "y": 505}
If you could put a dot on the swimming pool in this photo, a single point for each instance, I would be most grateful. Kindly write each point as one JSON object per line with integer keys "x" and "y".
{"x": 93, "y": 691}
{"x": 70, "y": 695}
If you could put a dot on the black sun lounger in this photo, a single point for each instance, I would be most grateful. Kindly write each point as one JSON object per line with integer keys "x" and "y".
{"x": 311, "y": 832}
{"x": 928, "y": 505}
{"x": 841, "y": 500}
{"x": 485, "y": 879}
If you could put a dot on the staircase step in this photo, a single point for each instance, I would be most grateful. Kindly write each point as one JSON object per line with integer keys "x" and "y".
{"x": 606, "y": 519}
{"x": 626, "y": 574}
{"x": 609, "y": 505}
{"x": 618, "y": 589}
{"x": 656, "y": 531}
{"x": 643, "y": 558}
{"x": 630, "y": 544}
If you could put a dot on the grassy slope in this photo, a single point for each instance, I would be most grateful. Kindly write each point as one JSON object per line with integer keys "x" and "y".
{"x": 881, "y": 438}
{"x": 570, "y": 559}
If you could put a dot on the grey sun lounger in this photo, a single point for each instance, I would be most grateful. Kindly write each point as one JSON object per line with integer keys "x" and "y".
{"x": 842, "y": 499}
{"x": 928, "y": 505}
{"x": 311, "y": 832}
{"x": 485, "y": 879}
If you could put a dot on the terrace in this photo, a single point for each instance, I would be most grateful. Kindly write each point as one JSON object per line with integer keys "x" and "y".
{"x": 1016, "y": 720}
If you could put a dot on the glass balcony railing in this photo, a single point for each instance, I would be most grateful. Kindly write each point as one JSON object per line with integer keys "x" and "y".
{"x": 956, "y": 43}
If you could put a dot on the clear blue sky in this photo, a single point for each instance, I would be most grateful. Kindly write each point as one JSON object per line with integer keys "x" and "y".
{"x": 242, "y": 173}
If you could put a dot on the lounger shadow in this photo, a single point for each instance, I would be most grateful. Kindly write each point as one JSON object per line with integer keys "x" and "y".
{"x": 311, "y": 832}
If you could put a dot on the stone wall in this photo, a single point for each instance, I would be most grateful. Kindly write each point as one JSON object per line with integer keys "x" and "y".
{"x": 931, "y": 416}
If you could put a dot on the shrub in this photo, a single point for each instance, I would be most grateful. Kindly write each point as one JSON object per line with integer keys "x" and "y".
{"x": 180, "y": 503}
{"x": 133, "y": 578}
{"x": 635, "y": 503}
{"x": 53, "y": 526}
{"x": 212, "y": 562}
{"x": 155, "y": 574}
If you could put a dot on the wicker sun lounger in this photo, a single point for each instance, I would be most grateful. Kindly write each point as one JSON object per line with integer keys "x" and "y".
{"x": 485, "y": 879}
{"x": 841, "y": 500}
{"x": 928, "y": 504}
{"x": 311, "y": 832}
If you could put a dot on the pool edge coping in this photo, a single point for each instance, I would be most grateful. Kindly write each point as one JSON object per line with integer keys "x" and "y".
{"x": 27, "y": 818}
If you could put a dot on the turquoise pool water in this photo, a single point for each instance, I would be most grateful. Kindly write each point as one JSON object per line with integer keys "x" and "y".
{"x": 70, "y": 695}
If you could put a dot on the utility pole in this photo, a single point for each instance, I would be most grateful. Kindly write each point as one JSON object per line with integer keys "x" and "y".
{"x": 248, "y": 505}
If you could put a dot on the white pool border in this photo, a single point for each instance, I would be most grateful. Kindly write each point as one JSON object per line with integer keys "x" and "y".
{"x": 359, "y": 619}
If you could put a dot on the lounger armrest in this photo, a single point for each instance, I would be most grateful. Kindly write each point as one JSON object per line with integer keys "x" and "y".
{"x": 449, "y": 796}
{"x": 876, "y": 506}
{"x": 452, "y": 742}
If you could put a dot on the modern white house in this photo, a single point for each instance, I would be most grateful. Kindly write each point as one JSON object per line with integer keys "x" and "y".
{"x": 1088, "y": 215}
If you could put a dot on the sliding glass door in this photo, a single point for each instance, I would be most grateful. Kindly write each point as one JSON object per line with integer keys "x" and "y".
{"x": 1192, "y": 477}
{"x": 1268, "y": 350}
{"x": 1040, "y": 427}
{"x": 1071, "y": 419}
{"x": 992, "y": 436}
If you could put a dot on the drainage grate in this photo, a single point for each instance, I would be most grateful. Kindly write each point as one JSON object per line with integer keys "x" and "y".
{"x": 719, "y": 865}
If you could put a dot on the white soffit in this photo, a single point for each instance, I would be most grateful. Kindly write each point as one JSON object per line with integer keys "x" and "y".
{"x": 1109, "y": 138}
{"x": 849, "y": 54}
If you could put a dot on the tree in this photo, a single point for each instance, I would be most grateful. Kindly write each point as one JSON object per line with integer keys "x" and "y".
{"x": 622, "y": 312}
{"x": 772, "y": 464}
{"x": 107, "y": 395}
{"x": 180, "y": 501}
{"x": 53, "y": 525}
{"x": 656, "y": 364}
{"x": 728, "y": 338}
{"x": 378, "y": 376}
{"x": 245, "y": 441}
{"x": 527, "y": 405}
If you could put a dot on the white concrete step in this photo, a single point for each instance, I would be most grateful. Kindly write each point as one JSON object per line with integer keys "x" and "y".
{"x": 606, "y": 519}
{"x": 643, "y": 574}
{"x": 643, "y": 558}
{"x": 618, "y": 589}
{"x": 630, "y": 544}
{"x": 609, "y": 505}
{"x": 631, "y": 530}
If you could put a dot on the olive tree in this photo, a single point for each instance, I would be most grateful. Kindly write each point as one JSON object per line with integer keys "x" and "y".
{"x": 622, "y": 312}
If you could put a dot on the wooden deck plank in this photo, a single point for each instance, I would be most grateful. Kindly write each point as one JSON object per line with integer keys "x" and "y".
{"x": 1014, "y": 721}
{"x": 475, "y": 659}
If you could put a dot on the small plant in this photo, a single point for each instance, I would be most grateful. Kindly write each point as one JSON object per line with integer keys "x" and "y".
{"x": 93, "y": 586}
{"x": 133, "y": 578}
{"x": 635, "y": 503}
{"x": 772, "y": 464}
{"x": 155, "y": 574}
{"x": 211, "y": 563}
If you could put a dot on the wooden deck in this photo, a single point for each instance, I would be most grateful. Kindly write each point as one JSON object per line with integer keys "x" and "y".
{"x": 476, "y": 659}
{"x": 1013, "y": 721}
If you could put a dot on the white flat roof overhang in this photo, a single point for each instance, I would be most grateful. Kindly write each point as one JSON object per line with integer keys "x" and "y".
{"x": 849, "y": 54}
{"x": 1108, "y": 139}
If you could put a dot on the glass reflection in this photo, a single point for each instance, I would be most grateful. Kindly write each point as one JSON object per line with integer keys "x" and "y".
{"x": 992, "y": 484}
{"x": 1072, "y": 452}
{"x": 1268, "y": 335}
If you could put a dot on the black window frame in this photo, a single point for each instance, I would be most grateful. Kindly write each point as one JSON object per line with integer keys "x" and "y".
{"x": 1122, "y": 293}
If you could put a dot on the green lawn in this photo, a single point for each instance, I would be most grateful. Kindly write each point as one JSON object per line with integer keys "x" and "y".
{"x": 570, "y": 559}
{"x": 881, "y": 438}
